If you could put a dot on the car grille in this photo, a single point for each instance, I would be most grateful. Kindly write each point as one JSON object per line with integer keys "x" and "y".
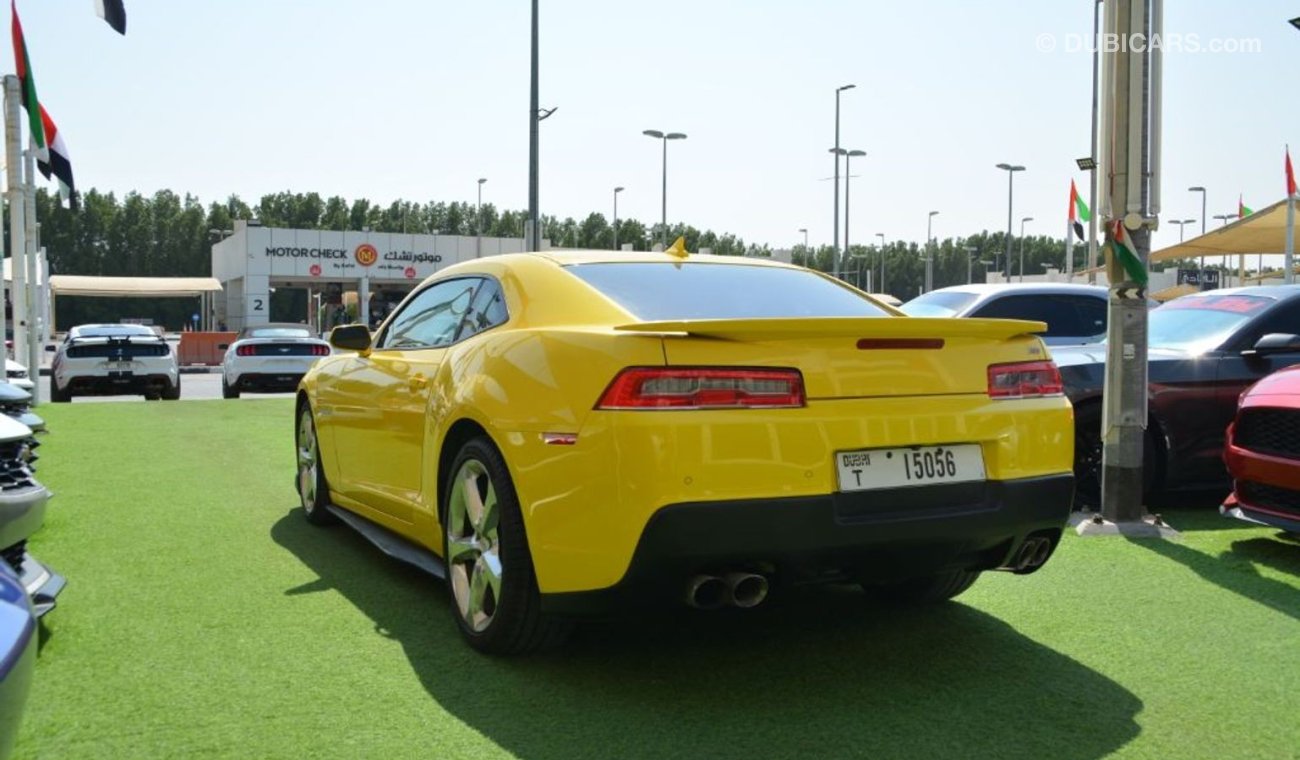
{"x": 1269, "y": 497}
{"x": 117, "y": 351}
{"x": 13, "y": 555}
{"x": 1269, "y": 431}
{"x": 15, "y": 464}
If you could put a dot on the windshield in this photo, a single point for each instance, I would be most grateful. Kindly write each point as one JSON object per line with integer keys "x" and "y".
{"x": 277, "y": 332}
{"x": 938, "y": 304}
{"x": 669, "y": 291}
{"x": 1199, "y": 323}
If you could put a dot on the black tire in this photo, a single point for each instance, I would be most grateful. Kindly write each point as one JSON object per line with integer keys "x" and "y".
{"x": 311, "y": 470}
{"x": 926, "y": 590}
{"x": 173, "y": 393}
{"x": 1087, "y": 459}
{"x": 228, "y": 391}
{"x": 514, "y": 623}
{"x": 57, "y": 396}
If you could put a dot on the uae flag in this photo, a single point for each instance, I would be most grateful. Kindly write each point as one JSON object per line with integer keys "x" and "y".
{"x": 1243, "y": 210}
{"x": 1079, "y": 211}
{"x": 59, "y": 165}
{"x": 1290, "y": 175}
{"x": 27, "y": 84}
{"x": 113, "y": 12}
{"x": 1121, "y": 248}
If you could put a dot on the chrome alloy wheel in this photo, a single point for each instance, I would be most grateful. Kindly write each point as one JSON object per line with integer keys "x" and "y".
{"x": 308, "y": 461}
{"x": 474, "y": 545}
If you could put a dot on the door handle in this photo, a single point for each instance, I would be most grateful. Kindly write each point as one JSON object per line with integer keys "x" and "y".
{"x": 417, "y": 382}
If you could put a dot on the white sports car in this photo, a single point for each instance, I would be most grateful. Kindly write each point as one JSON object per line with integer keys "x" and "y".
{"x": 16, "y": 374}
{"x": 270, "y": 358}
{"x": 111, "y": 359}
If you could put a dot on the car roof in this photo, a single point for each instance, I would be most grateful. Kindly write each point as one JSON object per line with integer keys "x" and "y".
{"x": 1278, "y": 292}
{"x": 1027, "y": 288}
{"x": 278, "y": 326}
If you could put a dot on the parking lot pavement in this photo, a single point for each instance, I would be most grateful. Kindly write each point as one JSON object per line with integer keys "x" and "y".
{"x": 200, "y": 385}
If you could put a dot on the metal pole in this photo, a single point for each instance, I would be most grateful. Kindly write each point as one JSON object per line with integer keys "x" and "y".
{"x": 532, "y": 240}
{"x": 27, "y": 328}
{"x": 1289, "y": 259}
{"x": 18, "y": 273}
{"x": 929, "y": 254}
{"x": 1011, "y": 178}
{"x": 478, "y": 223}
{"x": 881, "y": 235}
{"x": 1092, "y": 180}
{"x": 617, "y": 190}
{"x": 835, "y": 234}
{"x": 848, "y": 177}
{"x": 664, "y": 218}
{"x": 1022, "y": 250}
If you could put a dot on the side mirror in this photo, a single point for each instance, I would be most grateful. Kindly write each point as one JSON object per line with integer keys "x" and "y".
{"x": 350, "y": 337}
{"x": 1274, "y": 343}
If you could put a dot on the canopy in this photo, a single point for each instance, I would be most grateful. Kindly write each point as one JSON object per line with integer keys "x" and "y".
{"x": 1262, "y": 232}
{"x": 138, "y": 287}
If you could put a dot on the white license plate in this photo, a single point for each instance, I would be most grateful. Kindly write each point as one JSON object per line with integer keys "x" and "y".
{"x": 119, "y": 366}
{"x": 870, "y": 469}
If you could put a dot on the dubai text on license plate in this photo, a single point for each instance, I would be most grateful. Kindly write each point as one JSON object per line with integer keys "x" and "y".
{"x": 912, "y": 466}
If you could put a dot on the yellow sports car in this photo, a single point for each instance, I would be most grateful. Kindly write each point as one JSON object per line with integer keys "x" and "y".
{"x": 560, "y": 434}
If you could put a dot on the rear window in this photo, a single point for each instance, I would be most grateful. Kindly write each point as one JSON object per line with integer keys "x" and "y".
{"x": 656, "y": 292}
{"x": 277, "y": 332}
{"x": 937, "y": 304}
{"x": 114, "y": 331}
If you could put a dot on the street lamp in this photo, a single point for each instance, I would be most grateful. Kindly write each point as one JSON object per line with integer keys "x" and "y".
{"x": 1201, "y": 190}
{"x": 835, "y": 233}
{"x": 664, "y": 138}
{"x": 478, "y": 220}
{"x": 1225, "y": 217}
{"x": 848, "y": 176}
{"x": 970, "y": 250}
{"x": 1011, "y": 176}
{"x": 617, "y": 190}
{"x": 1181, "y": 223}
{"x": 1022, "y": 248}
{"x": 806, "y": 259}
{"x": 929, "y": 253}
{"x": 881, "y": 235}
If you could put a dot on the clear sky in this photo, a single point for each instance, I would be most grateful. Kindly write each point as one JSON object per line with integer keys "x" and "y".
{"x": 412, "y": 99}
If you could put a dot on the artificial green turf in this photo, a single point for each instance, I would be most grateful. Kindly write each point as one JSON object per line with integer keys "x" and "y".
{"x": 205, "y": 617}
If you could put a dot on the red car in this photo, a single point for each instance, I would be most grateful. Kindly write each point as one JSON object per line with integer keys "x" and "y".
{"x": 1263, "y": 453}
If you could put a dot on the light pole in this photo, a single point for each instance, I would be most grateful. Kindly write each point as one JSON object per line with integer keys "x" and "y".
{"x": 1011, "y": 176}
{"x": 664, "y": 138}
{"x": 1181, "y": 223}
{"x": 1201, "y": 190}
{"x": 806, "y": 258}
{"x": 970, "y": 250}
{"x": 1225, "y": 217}
{"x": 835, "y": 233}
{"x": 478, "y": 220}
{"x": 617, "y": 190}
{"x": 1022, "y": 247}
{"x": 881, "y": 235}
{"x": 848, "y": 177}
{"x": 929, "y": 253}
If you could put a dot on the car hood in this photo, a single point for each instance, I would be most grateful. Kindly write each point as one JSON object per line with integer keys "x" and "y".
{"x": 1285, "y": 382}
{"x": 1095, "y": 353}
{"x": 12, "y": 430}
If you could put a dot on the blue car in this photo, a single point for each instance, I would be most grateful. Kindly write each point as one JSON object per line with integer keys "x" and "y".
{"x": 17, "y": 655}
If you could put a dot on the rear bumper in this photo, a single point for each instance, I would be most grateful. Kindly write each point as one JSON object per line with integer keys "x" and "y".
{"x": 119, "y": 383}
{"x": 865, "y": 536}
{"x": 268, "y": 381}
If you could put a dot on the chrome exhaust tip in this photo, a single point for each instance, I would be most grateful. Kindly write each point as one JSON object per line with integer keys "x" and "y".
{"x": 746, "y": 589}
{"x": 707, "y": 592}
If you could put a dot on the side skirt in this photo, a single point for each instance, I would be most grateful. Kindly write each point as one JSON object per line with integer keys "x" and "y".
{"x": 392, "y": 544}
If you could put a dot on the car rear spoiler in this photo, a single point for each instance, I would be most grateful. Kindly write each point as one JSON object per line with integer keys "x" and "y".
{"x": 859, "y": 327}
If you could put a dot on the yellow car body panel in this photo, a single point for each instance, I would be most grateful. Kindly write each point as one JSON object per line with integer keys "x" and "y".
{"x": 384, "y": 415}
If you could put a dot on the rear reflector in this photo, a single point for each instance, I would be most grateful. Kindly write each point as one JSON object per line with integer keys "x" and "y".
{"x": 1025, "y": 380}
{"x": 703, "y": 388}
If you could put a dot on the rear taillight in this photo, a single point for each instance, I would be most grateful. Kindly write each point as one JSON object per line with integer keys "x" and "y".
{"x": 703, "y": 388}
{"x": 246, "y": 351}
{"x": 1025, "y": 380}
{"x": 320, "y": 350}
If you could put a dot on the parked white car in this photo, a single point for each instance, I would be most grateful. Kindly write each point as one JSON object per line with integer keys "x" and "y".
{"x": 270, "y": 358}
{"x": 16, "y": 374}
{"x": 109, "y": 359}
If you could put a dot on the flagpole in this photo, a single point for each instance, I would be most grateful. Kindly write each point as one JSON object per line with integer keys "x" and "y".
{"x": 30, "y": 312}
{"x": 1289, "y": 276}
{"x": 1069, "y": 251}
{"x": 13, "y": 176}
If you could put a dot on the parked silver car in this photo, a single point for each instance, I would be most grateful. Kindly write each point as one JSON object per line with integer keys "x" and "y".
{"x": 1075, "y": 313}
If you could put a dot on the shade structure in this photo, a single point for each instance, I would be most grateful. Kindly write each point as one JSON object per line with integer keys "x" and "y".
{"x": 137, "y": 287}
{"x": 1262, "y": 232}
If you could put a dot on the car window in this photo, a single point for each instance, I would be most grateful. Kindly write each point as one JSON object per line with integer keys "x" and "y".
{"x": 1199, "y": 323}
{"x": 114, "y": 331}
{"x": 276, "y": 332}
{"x": 431, "y": 318}
{"x": 938, "y": 303}
{"x": 1067, "y": 316}
{"x": 1283, "y": 318}
{"x": 487, "y": 310}
{"x": 655, "y": 291}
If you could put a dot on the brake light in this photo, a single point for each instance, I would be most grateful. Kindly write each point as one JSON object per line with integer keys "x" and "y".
{"x": 703, "y": 388}
{"x": 319, "y": 350}
{"x": 246, "y": 351}
{"x": 1025, "y": 380}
